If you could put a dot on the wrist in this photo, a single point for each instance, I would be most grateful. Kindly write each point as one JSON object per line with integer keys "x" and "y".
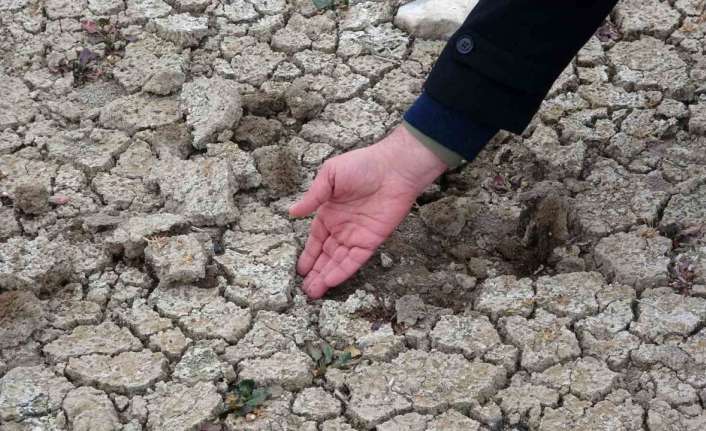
{"x": 410, "y": 158}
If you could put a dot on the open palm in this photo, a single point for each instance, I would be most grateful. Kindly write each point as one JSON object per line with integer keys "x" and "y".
{"x": 361, "y": 197}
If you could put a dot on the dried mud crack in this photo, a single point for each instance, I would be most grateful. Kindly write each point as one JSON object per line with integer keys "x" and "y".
{"x": 149, "y": 150}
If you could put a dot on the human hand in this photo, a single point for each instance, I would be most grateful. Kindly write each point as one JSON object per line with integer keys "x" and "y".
{"x": 360, "y": 198}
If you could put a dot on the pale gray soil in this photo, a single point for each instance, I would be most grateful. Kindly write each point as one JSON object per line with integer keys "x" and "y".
{"x": 147, "y": 263}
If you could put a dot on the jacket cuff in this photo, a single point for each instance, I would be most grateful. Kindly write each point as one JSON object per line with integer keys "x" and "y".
{"x": 445, "y": 131}
{"x": 450, "y": 158}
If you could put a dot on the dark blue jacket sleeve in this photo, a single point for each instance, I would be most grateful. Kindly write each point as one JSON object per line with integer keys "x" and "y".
{"x": 498, "y": 67}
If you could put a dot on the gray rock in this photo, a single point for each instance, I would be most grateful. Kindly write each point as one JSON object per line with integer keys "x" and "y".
{"x": 255, "y": 63}
{"x": 275, "y": 414}
{"x": 178, "y": 259}
{"x": 604, "y": 335}
{"x": 22, "y": 314}
{"x": 236, "y": 11}
{"x": 697, "y": 120}
{"x": 341, "y": 325}
{"x": 292, "y": 371}
{"x": 183, "y": 30}
{"x": 260, "y": 282}
{"x": 13, "y": 5}
{"x": 169, "y": 141}
{"x": 592, "y": 53}
{"x": 138, "y": 112}
{"x": 570, "y": 295}
{"x": 585, "y": 378}
{"x": 316, "y": 404}
{"x": 652, "y": 17}
{"x": 446, "y": 216}
{"x": 153, "y": 65}
{"x": 427, "y": 382}
{"x": 662, "y": 417}
{"x": 289, "y": 41}
{"x": 642, "y": 123}
{"x": 504, "y": 355}
{"x": 171, "y": 342}
{"x": 106, "y": 338}
{"x": 18, "y": 170}
{"x": 57, "y": 9}
{"x": 685, "y": 209}
{"x": 522, "y": 402}
{"x": 242, "y": 164}
{"x": 211, "y": 106}
{"x": 271, "y": 332}
{"x": 543, "y": 340}
{"x": 366, "y": 14}
{"x": 179, "y": 301}
{"x": 258, "y": 218}
{"x": 125, "y": 193}
{"x": 265, "y": 27}
{"x": 127, "y": 373}
{"x": 578, "y": 415}
{"x": 196, "y": 6}
{"x": 683, "y": 161}
{"x": 381, "y": 343}
{"x": 106, "y": 7}
{"x": 200, "y": 363}
{"x": 177, "y": 407}
{"x": 144, "y": 321}
{"x": 670, "y": 388}
{"x": 91, "y": 151}
{"x": 452, "y": 420}
{"x": 143, "y": 10}
{"x": 9, "y": 226}
{"x": 217, "y": 319}
{"x": 649, "y": 63}
{"x": 32, "y": 198}
{"x": 200, "y": 190}
{"x": 131, "y": 236}
{"x": 338, "y": 424}
{"x": 472, "y": 336}
{"x": 89, "y": 409}
{"x": 279, "y": 168}
{"x": 637, "y": 258}
{"x": 617, "y": 200}
{"x": 256, "y": 244}
{"x": 303, "y": 104}
{"x": 407, "y": 422}
{"x": 432, "y": 19}
{"x": 662, "y": 313}
{"x": 135, "y": 161}
{"x": 505, "y": 296}
{"x": 346, "y": 124}
{"x": 57, "y": 422}
{"x": 258, "y": 131}
{"x": 31, "y": 391}
{"x": 560, "y": 160}
{"x": 39, "y": 265}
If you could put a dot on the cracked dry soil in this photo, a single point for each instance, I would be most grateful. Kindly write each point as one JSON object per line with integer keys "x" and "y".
{"x": 149, "y": 150}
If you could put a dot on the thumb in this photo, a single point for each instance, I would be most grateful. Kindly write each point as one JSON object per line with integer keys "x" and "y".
{"x": 319, "y": 192}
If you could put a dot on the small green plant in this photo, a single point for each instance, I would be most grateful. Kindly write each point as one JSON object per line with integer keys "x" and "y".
{"x": 81, "y": 68}
{"x": 324, "y": 357}
{"x": 246, "y": 398}
{"x": 104, "y": 31}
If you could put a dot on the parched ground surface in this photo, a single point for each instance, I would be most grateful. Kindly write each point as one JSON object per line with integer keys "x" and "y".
{"x": 147, "y": 264}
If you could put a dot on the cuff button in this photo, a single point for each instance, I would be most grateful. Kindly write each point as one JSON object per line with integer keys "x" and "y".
{"x": 464, "y": 44}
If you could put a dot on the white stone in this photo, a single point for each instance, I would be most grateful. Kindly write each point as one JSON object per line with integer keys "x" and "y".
{"x": 433, "y": 19}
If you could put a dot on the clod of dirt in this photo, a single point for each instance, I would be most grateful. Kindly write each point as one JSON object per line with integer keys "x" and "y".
{"x": 32, "y": 198}
{"x": 279, "y": 168}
